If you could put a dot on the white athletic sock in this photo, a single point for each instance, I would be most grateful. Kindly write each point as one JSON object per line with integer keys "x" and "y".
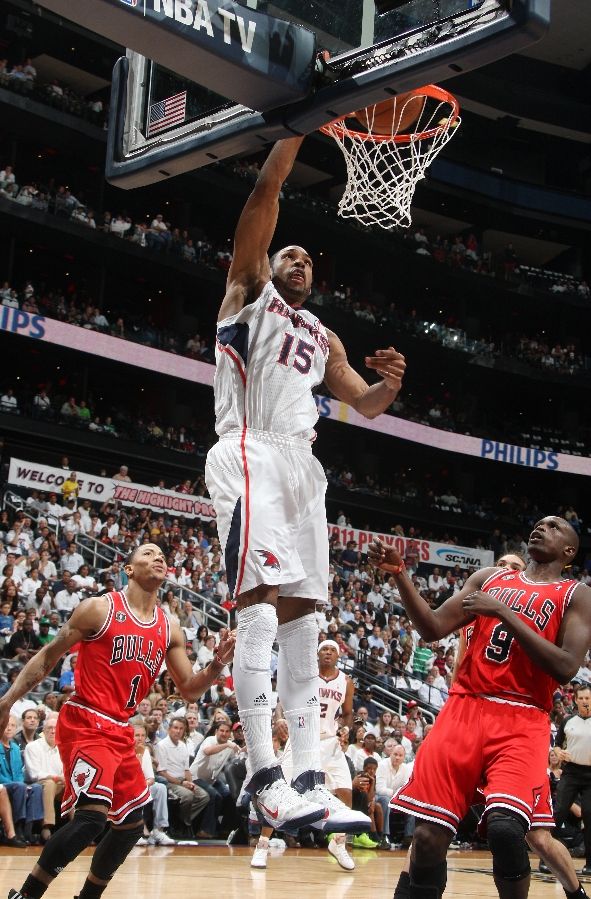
{"x": 297, "y": 685}
{"x": 255, "y": 635}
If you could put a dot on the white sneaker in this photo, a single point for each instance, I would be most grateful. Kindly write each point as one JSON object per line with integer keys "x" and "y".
{"x": 283, "y": 808}
{"x": 161, "y": 838}
{"x": 143, "y": 841}
{"x": 259, "y": 856}
{"x": 339, "y": 851}
{"x": 341, "y": 819}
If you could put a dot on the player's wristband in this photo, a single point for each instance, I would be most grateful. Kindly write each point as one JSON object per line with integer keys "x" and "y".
{"x": 394, "y": 569}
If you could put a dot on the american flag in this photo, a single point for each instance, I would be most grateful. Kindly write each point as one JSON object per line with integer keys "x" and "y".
{"x": 167, "y": 112}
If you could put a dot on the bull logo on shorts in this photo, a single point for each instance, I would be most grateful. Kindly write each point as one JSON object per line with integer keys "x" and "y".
{"x": 82, "y": 776}
{"x": 270, "y": 561}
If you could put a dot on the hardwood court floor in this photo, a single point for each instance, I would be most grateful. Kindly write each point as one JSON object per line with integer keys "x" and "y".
{"x": 217, "y": 872}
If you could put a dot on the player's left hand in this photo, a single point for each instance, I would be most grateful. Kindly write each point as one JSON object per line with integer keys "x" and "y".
{"x": 225, "y": 649}
{"x": 479, "y": 603}
{"x": 385, "y": 557}
{"x": 390, "y": 365}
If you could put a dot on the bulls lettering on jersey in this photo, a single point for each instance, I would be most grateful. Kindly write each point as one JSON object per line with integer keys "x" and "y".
{"x": 118, "y": 665}
{"x": 331, "y": 694}
{"x": 495, "y": 664}
{"x": 269, "y": 357}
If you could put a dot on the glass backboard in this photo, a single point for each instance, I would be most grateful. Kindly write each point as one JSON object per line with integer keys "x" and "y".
{"x": 372, "y": 56}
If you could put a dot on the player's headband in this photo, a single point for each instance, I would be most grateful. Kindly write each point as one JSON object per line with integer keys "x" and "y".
{"x": 331, "y": 643}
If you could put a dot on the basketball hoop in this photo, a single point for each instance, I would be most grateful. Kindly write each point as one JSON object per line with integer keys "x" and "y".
{"x": 383, "y": 165}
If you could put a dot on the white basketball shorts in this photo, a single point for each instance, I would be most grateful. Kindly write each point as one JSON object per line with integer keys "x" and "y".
{"x": 332, "y": 761}
{"x": 269, "y": 495}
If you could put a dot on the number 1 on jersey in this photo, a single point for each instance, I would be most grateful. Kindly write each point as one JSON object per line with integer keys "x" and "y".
{"x": 302, "y": 357}
{"x": 135, "y": 685}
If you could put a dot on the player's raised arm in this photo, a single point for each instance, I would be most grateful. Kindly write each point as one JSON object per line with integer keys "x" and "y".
{"x": 561, "y": 660}
{"x": 431, "y": 624}
{"x": 85, "y": 620}
{"x": 191, "y": 686}
{"x": 250, "y": 270}
{"x": 348, "y": 386}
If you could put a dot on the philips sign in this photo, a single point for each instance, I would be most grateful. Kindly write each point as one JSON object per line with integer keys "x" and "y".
{"x": 519, "y": 455}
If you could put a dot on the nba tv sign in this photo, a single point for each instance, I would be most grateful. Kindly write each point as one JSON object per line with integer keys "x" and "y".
{"x": 200, "y": 16}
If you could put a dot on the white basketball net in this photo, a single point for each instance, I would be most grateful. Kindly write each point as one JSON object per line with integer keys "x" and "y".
{"x": 383, "y": 171}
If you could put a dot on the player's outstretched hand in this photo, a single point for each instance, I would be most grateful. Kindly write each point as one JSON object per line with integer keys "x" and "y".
{"x": 225, "y": 650}
{"x": 384, "y": 557}
{"x": 479, "y": 603}
{"x": 390, "y": 365}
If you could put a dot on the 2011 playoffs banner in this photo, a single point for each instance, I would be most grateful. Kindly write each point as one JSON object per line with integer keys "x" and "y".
{"x": 443, "y": 554}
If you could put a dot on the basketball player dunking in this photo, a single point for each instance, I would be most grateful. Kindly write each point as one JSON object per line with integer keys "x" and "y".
{"x": 531, "y": 632}
{"x": 124, "y": 639}
{"x": 268, "y": 491}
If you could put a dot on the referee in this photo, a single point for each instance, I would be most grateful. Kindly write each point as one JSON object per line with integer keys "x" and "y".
{"x": 573, "y": 747}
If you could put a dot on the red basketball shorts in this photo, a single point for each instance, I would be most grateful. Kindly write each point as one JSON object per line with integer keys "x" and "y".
{"x": 499, "y": 747}
{"x": 99, "y": 760}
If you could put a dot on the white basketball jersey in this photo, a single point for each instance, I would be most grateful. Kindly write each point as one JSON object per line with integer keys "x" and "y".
{"x": 269, "y": 357}
{"x": 331, "y": 694}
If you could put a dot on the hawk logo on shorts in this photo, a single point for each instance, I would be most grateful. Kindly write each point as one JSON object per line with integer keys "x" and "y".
{"x": 120, "y": 616}
{"x": 271, "y": 561}
{"x": 83, "y": 774}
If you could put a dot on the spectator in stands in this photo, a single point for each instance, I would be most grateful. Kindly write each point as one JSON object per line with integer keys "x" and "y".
{"x": 85, "y": 581}
{"x": 8, "y": 402}
{"x": 122, "y": 474}
{"x": 157, "y": 836}
{"x": 26, "y": 799}
{"x": 172, "y": 754}
{"x": 67, "y": 678}
{"x": 72, "y": 560}
{"x": 431, "y": 694}
{"x": 44, "y": 766}
{"x": 42, "y": 405}
{"x": 422, "y": 660}
{"x": 66, "y": 600}
{"x": 350, "y": 557}
{"x": 24, "y": 643}
{"x": 214, "y": 752}
{"x": 206, "y": 652}
{"x": 69, "y": 410}
{"x": 70, "y": 487}
{"x": 10, "y": 838}
{"x": 30, "y": 721}
{"x": 394, "y": 772}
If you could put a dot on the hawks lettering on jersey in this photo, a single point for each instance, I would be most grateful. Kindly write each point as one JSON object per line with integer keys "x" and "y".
{"x": 269, "y": 357}
{"x": 495, "y": 663}
{"x": 118, "y": 665}
{"x": 331, "y": 694}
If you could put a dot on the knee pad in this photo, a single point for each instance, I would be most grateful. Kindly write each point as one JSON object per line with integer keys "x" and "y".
{"x": 256, "y": 631}
{"x": 427, "y": 882}
{"x": 298, "y": 649}
{"x": 114, "y": 848}
{"x": 506, "y": 839}
{"x": 68, "y": 842}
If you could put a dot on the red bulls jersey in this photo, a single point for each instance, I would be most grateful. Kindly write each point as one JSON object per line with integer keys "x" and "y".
{"x": 118, "y": 665}
{"x": 495, "y": 664}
